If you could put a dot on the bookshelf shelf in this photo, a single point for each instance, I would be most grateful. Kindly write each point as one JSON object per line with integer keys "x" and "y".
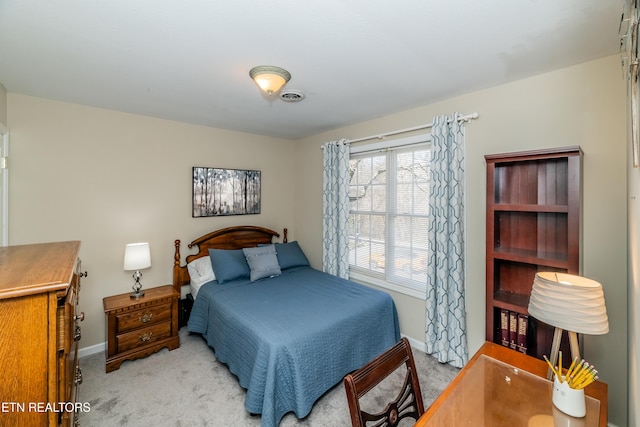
{"x": 552, "y": 260}
{"x": 510, "y": 300}
{"x": 533, "y": 224}
{"x": 531, "y": 208}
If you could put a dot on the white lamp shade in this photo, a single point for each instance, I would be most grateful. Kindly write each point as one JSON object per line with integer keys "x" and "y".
{"x": 137, "y": 256}
{"x": 569, "y": 302}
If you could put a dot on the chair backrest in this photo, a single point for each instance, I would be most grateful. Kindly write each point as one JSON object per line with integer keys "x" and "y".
{"x": 408, "y": 403}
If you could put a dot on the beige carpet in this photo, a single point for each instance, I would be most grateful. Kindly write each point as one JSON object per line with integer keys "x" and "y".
{"x": 189, "y": 387}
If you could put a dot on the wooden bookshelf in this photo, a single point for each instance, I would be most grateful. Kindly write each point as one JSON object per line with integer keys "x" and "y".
{"x": 533, "y": 217}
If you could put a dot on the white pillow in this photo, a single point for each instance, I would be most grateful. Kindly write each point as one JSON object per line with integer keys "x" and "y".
{"x": 200, "y": 272}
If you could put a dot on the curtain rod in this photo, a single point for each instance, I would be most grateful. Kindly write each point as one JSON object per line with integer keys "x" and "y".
{"x": 466, "y": 118}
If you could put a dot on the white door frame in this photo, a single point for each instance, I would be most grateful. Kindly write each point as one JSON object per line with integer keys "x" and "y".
{"x": 4, "y": 189}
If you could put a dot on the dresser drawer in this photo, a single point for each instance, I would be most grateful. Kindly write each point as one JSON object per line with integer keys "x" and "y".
{"x": 142, "y": 337}
{"x": 144, "y": 317}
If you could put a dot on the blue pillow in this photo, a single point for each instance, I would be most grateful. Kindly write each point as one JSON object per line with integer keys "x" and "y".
{"x": 229, "y": 264}
{"x": 290, "y": 255}
{"x": 262, "y": 262}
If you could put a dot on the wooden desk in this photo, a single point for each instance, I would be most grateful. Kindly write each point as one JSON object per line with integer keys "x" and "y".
{"x": 502, "y": 387}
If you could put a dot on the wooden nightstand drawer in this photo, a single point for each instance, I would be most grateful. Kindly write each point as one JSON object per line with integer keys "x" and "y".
{"x": 143, "y": 337}
{"x": 141, "y": 318}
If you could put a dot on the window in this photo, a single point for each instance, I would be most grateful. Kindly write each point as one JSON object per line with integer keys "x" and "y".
{"x": 388, "y": 217}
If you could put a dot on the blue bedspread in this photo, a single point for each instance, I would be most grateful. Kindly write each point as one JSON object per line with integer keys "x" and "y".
{"x": 291, "y": 338}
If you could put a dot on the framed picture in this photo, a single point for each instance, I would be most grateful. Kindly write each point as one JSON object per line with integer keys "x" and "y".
{"x": 221, "y": 192}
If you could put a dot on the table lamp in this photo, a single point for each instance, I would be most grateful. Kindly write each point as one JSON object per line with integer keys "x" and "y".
{"x": 568, "y": 302}
{"x": 137, "y": 257}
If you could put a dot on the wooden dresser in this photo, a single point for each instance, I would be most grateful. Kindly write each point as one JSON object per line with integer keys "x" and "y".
{"x": 138, "y": 327}
{"x": 39, "y": 289}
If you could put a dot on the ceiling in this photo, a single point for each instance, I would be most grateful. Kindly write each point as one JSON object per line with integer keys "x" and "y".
{"x": 189, "y": 60}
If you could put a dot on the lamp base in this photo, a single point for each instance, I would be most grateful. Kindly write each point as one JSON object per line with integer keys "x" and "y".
{"x": 555, "y": 348}
{"x": 137, "y": 286}
{"x": 136, "y": 294}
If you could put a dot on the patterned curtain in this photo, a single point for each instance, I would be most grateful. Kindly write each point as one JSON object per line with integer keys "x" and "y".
{"x": 445, "y": 307}
{"x": 335, "y": 213}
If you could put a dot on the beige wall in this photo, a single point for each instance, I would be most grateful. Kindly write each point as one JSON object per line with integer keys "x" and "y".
{"x": 634, "y": 292}
{"x": 581, "y": 105}
{"x": 3, "y": 105}
{"x": 109, "y": 178}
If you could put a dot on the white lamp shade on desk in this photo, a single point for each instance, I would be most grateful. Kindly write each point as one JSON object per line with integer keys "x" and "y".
{"x": 569, "y": 302}
{"x": 137, "y": 256}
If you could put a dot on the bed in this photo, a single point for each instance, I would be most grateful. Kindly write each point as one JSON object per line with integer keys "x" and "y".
{"x": 287, "y": 331}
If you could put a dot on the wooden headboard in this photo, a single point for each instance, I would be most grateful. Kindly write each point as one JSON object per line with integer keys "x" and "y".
{"x": 238, "y": 237}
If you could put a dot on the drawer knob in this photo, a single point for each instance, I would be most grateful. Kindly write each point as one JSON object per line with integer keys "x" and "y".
{"x": 146, "y": 317}
{"x": 80, "y": 316}
{"x": 145, "y": 337}
{"x": 78, "y": 379}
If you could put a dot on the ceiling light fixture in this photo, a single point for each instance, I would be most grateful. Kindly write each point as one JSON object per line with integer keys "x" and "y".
{"x": 270, "y": 78}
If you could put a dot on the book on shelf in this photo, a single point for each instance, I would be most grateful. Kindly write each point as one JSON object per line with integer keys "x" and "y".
{"x": 504, "y": 327}
{"x": 513, "y": 330}
{"x": 521, "y": 342}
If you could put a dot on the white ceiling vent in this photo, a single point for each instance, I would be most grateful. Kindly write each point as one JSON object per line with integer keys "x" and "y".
{"x": 291, "y": 95}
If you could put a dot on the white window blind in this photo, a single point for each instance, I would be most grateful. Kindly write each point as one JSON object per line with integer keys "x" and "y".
{"x": 388, "y": 219}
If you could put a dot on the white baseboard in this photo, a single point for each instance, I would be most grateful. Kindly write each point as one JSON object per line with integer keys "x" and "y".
{"x": 418, "y": 345}
{"x": 88, "y": 351}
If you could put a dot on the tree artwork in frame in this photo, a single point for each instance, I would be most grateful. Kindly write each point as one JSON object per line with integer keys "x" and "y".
{"x": 221, "y": 192}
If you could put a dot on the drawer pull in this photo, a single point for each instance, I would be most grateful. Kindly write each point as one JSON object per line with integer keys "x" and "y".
{"x": 145, "y": 337}
{"x": 145, "y": 317}
{"x": 77, "y": 336}
{"x": 80, "y": 316}
{"x": 78, "y": 379}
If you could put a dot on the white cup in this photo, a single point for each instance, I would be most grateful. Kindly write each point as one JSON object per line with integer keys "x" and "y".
{"x": 568, "y": 400}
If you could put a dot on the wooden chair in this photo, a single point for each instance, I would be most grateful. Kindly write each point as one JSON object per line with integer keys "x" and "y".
{"x": 408, "y": 403}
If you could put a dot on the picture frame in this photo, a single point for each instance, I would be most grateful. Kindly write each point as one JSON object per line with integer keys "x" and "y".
{"x": 224, "y": 192}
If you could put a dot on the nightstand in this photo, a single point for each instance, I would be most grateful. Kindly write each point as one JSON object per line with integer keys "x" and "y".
{"x": 138, "y": 327}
